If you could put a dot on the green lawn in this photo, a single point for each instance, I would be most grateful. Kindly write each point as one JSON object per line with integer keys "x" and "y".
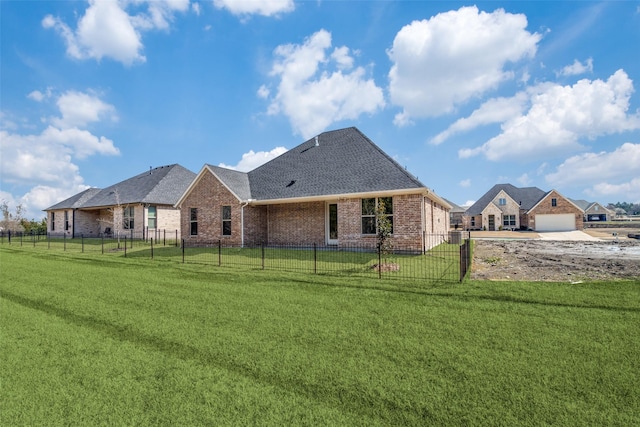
{"x": 88, "y": 339}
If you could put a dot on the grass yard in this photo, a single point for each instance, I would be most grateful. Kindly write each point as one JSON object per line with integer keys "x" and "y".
{"x": 94, "y": 340}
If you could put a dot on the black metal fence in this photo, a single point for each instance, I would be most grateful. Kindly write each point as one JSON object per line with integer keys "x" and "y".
{"x": 448, "y": 260}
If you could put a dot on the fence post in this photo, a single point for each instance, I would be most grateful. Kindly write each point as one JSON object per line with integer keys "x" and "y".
{"x": 21, "y": 238}
{"x": 125, "y": 246}
{"x": 9, "y": 235}
{"x": 82, "y": 241}
{"x": 164, "y": 237}
{"x": 219, "y": 253}
{"x": 48, "y": 240}
{"x": 102, "y": 237}
{"x": 315, "y": 258}
{"x": 262, "y": 246}
{"x": 34, "y": 240}
{"x": 152, "y": 248}
{"x": 379, "y": 262}
{"x": 182, "y": 250}
{"x": 64, "y": 242}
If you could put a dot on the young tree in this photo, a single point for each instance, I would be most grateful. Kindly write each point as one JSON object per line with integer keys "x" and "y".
{"x": 384, "y": 228}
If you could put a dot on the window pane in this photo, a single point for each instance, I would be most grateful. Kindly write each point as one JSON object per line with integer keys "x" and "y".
{"x": 368, "y": 206}
{"x": 388, "y": 204}
{"x": 194, "y": 228}
{"x": 194, "y": 214}
{"x": 226, "y": 228}
{"x": 368, "y": 225}
{"x": 226, "y": 212}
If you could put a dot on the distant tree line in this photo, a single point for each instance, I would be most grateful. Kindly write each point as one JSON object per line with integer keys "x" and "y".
{"x": 15, "y": 221}
{"x": 629, "y": 208}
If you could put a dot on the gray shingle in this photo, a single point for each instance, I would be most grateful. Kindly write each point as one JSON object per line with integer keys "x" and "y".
{"x": 163, "y": 186}
{"x": 344, "y": 161}
{"x": 527, "y": 197}
{"x": 76, "y": 200}
{"x": 238, "y": 182}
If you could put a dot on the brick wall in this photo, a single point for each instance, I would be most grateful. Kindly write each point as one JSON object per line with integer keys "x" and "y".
{"x": 563, "y": 206}
{"x": 296, "y": 223}
{"x": 208, "y": 196}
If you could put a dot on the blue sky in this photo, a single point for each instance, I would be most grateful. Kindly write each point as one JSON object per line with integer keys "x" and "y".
{"x": 463, "y": 95}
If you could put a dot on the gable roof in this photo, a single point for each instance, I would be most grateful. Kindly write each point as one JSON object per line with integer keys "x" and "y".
{"x": 163, "y": 186}
{"x": 558, "y": 193}
{"x": 75, "y": 201}
{"x": 343, "y": 161}
{"x": 334, "y": 163}
{"x": 526, "y": 197}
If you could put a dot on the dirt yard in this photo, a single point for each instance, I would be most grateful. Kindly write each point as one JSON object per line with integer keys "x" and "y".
{"x": 531, "y": 259}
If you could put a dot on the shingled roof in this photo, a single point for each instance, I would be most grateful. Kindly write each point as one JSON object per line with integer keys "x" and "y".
{"x": 162, "y": 186}
{"x": 334, "y": 163}
{"x": 527, "y": 197}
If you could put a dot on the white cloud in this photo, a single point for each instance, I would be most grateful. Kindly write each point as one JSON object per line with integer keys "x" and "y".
{"x": 465, "y": 183}
{"x": 252, "y": 160}
{"x": 107, "y": 30}
{"x": 314, "y": 91}
{"x": 559, "y": 116}
{"x": 524, "y": 180}
{"x": 44, "y": 162}
{"x": 37, "y": 96}
{"x": 263, "y": 92}
{"x": 251, "y": 7}
{"x": 80, "y": 109}
{"x": 627, "y": 191}
{"x": 496, "y": 110}
{"x": 577, "y": 68}
{"x": 589, "y": 168}
{"x": 443, "y": 62}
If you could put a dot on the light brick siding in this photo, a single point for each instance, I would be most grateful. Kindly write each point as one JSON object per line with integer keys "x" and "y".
{"x": 208, "y": 196}
{"x": 167, "y": 218}
{"x": 563, "y": 206}
{"x": 86, "y": 224}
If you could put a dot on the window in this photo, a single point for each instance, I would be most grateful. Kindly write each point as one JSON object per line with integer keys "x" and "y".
{"x": 128, "y": 217}
{"x": 53, "y": 221}
{"x": 473, "y": 221}
{"x": 226, "y": 220}
{"x": 502, "y": 202}
{"x": 509, "y": 220}
{"x": 554, "y": 202}
{"x": 151, "y": 217}
{"x": 66, "y": 221}
{"x": 193, "y": 221}
{"x": 369, "y": 213}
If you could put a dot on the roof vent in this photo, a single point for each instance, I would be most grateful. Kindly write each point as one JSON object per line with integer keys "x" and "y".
{"x": 317, "y": 143}
{"x": 293, "y": 181}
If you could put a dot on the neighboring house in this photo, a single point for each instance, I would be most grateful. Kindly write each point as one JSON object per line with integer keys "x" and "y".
{"x": 140, "y": 205}
{"x": 594, "y": 211}
{"x": 456, "y": 215}
{"x": 507, "y": 207}
{"x": 323, "y": 191}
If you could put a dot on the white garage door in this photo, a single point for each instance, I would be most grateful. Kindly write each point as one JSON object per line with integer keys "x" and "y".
{"x": 556, "y": 222}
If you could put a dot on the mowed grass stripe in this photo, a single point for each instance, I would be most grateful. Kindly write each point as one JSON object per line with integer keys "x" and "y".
{"x": 268, "y": 348}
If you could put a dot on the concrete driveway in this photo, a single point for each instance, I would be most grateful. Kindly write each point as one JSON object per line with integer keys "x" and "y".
{"x": 571, "y": 236}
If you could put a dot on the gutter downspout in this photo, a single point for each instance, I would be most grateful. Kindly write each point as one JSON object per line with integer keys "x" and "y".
{"x": 242, "y": 222}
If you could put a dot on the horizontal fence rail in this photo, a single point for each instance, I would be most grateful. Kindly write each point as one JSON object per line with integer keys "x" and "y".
{"x": 447, "y": 260}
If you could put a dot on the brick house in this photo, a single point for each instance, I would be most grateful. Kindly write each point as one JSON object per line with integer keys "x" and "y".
{"x": 323, "y": 191}
{"x": 140, "y": 205}
{"x": 594, "y": 211}
{"x": 507, "y": 207}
